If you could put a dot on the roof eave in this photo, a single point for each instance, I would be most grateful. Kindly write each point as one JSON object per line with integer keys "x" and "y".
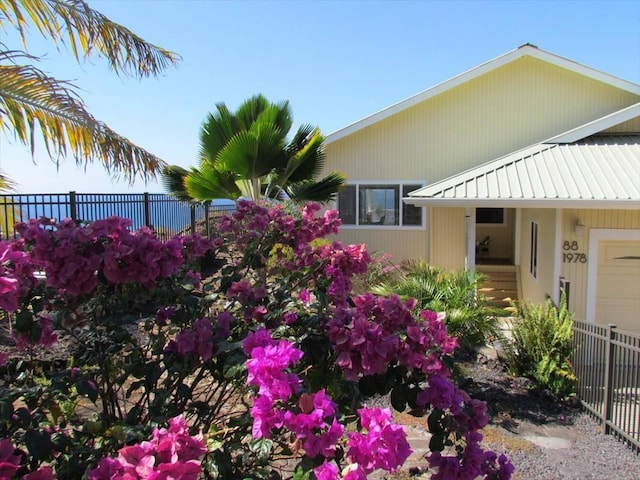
{"x": 617, "y": 204}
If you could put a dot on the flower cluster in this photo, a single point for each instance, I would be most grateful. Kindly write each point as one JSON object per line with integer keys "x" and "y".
{"x": 75, "y": 257}
{"x": 378, "y": 330}
{"x": 170, "y": 454}
{"x": 475, "y": 463}
{"x": 252, "y": 221}
{"x": 382, "y": 445}
{"x": 16, "y": 274}
{"x": 313, "y": 419}
{"x": 200, "y": 339}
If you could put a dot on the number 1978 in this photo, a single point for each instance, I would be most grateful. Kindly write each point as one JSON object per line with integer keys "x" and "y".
{"x": 574, "y": 257}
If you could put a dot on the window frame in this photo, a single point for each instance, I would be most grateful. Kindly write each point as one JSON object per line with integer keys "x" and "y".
{"x": 399, "y": 184}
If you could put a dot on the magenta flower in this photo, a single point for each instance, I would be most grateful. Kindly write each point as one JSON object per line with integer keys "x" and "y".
{"x": 43, "y": 473}
{"x": 384, "y": 445}
{"x": 326, "y": 471}
{"x": 9, "y": 461}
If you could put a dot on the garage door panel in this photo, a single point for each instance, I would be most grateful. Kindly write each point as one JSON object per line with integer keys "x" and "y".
{"x": 618, "y": 284}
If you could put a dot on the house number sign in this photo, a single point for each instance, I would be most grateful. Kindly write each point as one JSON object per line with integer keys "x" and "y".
{"x": 571, "y": 253}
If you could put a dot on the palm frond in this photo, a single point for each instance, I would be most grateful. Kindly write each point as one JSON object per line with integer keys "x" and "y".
{"x": 31, "y": 101}
{"x": 252, "y": 153}
{"x": 323, "y": 190}
{"x": 173, "y": 181}
{"x": 208, "y": 183}
{"x": 217, "y": 129}
{"x": 87, "y": 32}
{"x": 6, "y": 184}
{"x": 308, "y": 159}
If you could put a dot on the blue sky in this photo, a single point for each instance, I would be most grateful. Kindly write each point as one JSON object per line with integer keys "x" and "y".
{"x": 335, "y": 61}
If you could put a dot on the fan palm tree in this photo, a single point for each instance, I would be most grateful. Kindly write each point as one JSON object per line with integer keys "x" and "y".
{"x": 32, "y": 102}
{"x": 247, "y": 154}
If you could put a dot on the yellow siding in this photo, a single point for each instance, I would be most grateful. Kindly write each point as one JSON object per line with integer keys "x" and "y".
{"x": 630, "y": 126}
{"x": 506, "y": 109}
{"x": 537, "y": 289}
{"x": 448, "y": 238}
{"x": 576, "y": 273}
{"x": 413, "y": 244}
{"x": 511, "y": 107}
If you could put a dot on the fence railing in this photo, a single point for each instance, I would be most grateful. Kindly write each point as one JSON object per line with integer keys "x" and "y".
{"x": 607, "y": 363}
{"x": 164, "y": 213}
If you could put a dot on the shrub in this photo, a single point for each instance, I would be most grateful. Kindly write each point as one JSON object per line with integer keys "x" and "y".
{"x": 469, "y": 317}
{"x": 542, "y": 344}
{"x": 250, "y": 346}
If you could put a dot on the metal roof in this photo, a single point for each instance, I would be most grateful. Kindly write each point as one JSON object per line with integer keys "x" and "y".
{"x": 522, "y": 51}
{"x": 600, "y": 171}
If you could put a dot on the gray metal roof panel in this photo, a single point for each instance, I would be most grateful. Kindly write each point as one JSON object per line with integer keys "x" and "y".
{"x": 600, "y": 167}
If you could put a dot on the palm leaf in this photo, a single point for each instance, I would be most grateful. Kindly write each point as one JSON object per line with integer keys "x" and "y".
{"x": 252, "y": 154}
{"x": 258, "y": 109}
{"x": 87, "y": 32}
{"x": 322, "y": 191}
{"x": 6, "y": 183}
{"x": 307, "y": 160}
{"x": 173, "y": 181}
{"x": 31, "y": 101}
{"x": 217, "y": 130}
{"x": 208, "y": 183}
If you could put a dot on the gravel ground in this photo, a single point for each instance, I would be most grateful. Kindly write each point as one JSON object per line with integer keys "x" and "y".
{"x": 568, "y": 444}
{"x": 593, "y": 456}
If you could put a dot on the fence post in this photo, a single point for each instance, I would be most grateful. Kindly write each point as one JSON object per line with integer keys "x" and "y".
{"x": 193, "y": 219}
{"x": 147, "y": 210}
{"x": 206, "y": 219}
{"x": 73, "y": 213}
{"x": 608, "y": 379}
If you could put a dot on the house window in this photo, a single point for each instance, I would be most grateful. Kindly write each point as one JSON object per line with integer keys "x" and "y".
{"x": 533, "y": 253}
{"x": 378, "y": 204}
{"x": 490, "y": 216}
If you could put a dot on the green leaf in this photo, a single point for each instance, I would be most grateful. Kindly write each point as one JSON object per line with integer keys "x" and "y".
{"x": 399, "y": 398}
{"x": 87, "y": 389}
{"x": 300, "y": 474}
{"x": 38, "y": 444}
{"x": 262, "y": 448}
{"x": 6, "y": 409}
{"x": 435, "y": 421}
{"x": 436, "y": 444}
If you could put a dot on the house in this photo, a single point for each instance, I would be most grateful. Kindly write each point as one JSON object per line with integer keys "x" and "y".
{"x": 530, "y": 161}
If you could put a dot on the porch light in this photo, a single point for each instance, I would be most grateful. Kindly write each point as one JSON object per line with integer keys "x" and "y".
{"x": 578, "y": 228}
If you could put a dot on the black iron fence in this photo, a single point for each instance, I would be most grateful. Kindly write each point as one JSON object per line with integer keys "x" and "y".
{"x": 164, "y": 213}
{"x": 607, "y": 363}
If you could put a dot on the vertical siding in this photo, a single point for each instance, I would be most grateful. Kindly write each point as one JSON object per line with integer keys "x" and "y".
{"x": 402, "y": 245}
{"x": 448, "y": 238}
{"x": 537, "y": 289}
{"x": 511, "y": 107}
{"x": 576, "y": 273}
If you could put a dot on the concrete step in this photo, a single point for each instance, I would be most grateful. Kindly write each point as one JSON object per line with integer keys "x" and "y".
{"x": 500, "y": 286}
{"x": 504, "y": 285}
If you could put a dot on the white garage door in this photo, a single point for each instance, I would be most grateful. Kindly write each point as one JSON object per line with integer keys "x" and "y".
{"x": 618, "y": 284}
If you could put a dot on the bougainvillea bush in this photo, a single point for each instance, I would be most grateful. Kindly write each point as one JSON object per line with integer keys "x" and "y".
{"x": 243, "y": 356}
